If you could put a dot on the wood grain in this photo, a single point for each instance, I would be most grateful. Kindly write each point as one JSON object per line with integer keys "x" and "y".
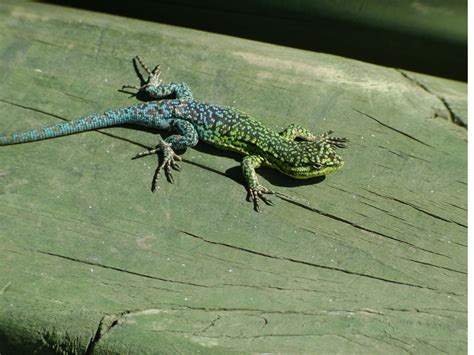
{"x": 369, "y": 260}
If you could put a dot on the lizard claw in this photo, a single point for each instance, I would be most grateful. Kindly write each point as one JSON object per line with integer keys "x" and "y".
{"x": 153, "y": 77}
{"x": 169, "y": 161}
{"x": 256, "y": 193}
{"x": 334, "y": 141}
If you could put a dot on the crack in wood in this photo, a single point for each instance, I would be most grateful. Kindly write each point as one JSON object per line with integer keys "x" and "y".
{"x": 452, "y": 116}
{"x": 205, "y": 329}
{"x": 412, "y": 205}
{"x": 265, "y": 255}
{"x": 433, "y": 265}
{"x": 403, "y": 154}
{"x": 119, "y": 269}
{"x": 355, "y": 225}
{"x": 393, "y": 128}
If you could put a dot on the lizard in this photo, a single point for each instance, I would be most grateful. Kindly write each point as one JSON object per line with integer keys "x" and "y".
{"x": 295, "y": 151}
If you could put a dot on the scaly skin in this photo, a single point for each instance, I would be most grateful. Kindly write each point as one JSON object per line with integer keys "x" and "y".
{"x": 295, "y": 151}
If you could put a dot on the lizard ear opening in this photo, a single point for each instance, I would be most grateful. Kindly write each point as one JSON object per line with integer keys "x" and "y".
{"x": 317, "y": 166}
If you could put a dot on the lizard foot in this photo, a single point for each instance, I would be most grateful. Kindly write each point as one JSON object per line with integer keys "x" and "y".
{"x": 169, "y": 161}
{"x": 153, "y": 77}
{"x": 334, "y": 141}
{"x": 256, "y": 193}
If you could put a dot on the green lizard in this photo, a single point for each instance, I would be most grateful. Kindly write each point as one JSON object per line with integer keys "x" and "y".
{"x": 295, "y": 151}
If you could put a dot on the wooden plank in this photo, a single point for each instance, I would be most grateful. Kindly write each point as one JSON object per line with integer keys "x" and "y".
{"x": 371, "y": 259}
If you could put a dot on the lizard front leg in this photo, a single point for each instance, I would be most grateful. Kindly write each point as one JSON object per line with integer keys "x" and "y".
{"x": 334, "y": 141}
{"x": 155, "y": 87}
{"x": 294, "y": 131}
{"x": 255, "y": 190}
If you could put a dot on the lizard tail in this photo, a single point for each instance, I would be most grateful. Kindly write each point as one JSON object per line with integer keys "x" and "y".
{"x": 133, "y": 114}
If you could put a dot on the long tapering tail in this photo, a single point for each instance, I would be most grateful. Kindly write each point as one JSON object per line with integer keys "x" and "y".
{"x": 140, "y": 114}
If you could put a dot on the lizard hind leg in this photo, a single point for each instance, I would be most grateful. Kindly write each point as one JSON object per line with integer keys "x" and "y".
{"x": 153, "y": 76}
{"x": 155, "y": 87}
{"x": 187, "y": 137}
{"x": 169, "y": 161}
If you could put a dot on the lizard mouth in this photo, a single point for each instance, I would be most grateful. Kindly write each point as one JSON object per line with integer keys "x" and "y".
{"x": 308, "y": 172}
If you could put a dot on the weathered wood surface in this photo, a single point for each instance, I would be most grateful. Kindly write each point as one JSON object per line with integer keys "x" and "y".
{"x": 371, "y": 259}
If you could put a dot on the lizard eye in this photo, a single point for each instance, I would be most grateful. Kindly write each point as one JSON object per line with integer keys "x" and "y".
{"x": 317, "y": 166}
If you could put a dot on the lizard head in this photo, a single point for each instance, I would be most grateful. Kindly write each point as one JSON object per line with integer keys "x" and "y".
{"x": 315, "y": 158}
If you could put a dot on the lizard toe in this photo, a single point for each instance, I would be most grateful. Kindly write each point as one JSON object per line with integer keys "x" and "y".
{"x": 258, "y": 193}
